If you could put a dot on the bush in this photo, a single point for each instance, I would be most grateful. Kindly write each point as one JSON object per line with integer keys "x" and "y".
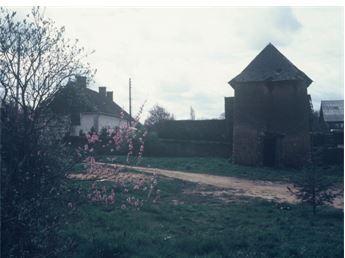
{"x": 32, "y": 187}
{"x": 124, "y": 140}
{"x": 34, "y": 161}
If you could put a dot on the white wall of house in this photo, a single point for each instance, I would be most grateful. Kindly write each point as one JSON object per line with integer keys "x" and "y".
{"x": 89, "y": 120}
{"x": 109, "y": 122}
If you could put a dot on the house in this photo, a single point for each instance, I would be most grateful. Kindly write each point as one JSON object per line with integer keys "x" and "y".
{"x": 88, "y": 109}
{"x": 271, "y": 111}
{"x": 332, "y": 115}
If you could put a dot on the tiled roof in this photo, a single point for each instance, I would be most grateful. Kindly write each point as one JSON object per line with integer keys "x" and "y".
{"x": 74, "y": 99}
{"x": 270, "y": 65}
{"x": 332, "y": 110}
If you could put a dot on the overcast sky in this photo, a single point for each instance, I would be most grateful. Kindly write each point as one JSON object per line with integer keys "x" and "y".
{"x": 183, "y": 57}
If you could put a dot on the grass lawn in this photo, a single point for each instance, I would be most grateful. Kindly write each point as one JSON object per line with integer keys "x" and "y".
{"x": 190, "y": 225}
{"x": 224, "y": 167}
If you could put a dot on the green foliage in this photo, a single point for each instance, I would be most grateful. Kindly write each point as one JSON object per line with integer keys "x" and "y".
{"x": 314, "y": 188}
{"x": 32, "y": 187}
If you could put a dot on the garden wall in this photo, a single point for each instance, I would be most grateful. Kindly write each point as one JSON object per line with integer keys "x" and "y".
{"x": 203, "y": 130}
{"x": 187, "y": 148}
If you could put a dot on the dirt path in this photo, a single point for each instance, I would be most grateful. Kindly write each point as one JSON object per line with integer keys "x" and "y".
{"x": 241, "y": 187}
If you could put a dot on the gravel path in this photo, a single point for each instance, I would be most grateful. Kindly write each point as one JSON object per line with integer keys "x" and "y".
{"x": 242, "y": 187}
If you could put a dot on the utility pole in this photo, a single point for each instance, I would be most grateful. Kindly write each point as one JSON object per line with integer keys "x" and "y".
{"x": 130, "y": 101}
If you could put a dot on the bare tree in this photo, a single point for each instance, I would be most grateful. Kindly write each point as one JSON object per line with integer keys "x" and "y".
{"x": 35, "y": 61}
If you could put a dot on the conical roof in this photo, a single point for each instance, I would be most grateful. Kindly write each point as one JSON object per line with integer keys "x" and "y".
{"x": 270, "y": 65}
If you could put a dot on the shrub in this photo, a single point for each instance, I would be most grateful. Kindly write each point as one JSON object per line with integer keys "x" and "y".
{"x": 34, "y": 161}
{"x": 314, "y": 188}
{"x": 32, "y": 187}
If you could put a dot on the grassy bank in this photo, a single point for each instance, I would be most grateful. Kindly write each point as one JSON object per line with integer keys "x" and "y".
{"x": 224, "y": 167}
{"x": 181, "y": 224}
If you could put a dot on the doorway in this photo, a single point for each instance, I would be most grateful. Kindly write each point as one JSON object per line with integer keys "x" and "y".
{"x": 269, "y": 151}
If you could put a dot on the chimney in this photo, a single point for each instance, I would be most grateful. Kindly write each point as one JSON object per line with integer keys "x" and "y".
{"x": 80, "y": 81}
{"x": 110, "y": 95}
{"x": 102, "y": 91}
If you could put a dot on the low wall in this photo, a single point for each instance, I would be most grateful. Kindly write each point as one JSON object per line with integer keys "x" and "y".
{"x": 190, "y": 138}
{"x": 183, "y": 148}
{"x": 202, "y": 130}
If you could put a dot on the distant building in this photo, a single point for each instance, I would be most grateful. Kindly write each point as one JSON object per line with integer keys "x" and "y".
{"x": 88, "y": 109}
{"x": 270, "y": 112}
{"x": 332, "y": 115}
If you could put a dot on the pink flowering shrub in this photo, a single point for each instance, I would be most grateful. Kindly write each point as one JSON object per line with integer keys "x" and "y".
{"x": 119, "y": 187}
{"x": 102, "y": 195}
{"x": 128, "y": 138}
